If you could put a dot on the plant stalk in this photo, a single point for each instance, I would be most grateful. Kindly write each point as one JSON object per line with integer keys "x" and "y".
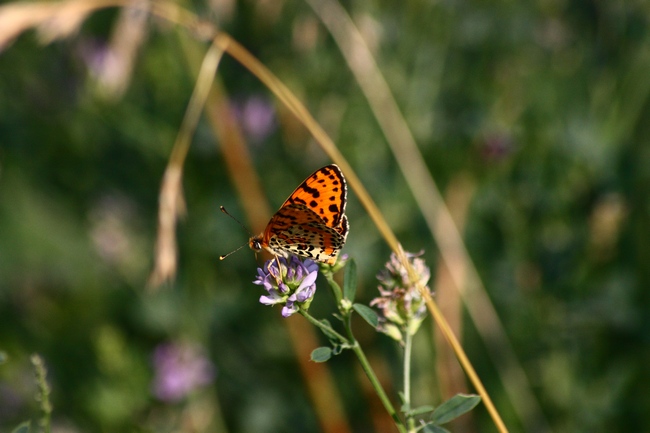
{"x": 327, "y": 330}
{"x": 370, "y": 373}
{"x": 408, "y": 345}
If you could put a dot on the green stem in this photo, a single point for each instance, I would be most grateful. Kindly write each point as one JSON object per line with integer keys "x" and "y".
{"x": 356, "y": 348}
{"x": 352, "y": 343}
{"x": 336, "y": 289}
{"x": 408, "y": 344}
{"x": 327, "y": 330}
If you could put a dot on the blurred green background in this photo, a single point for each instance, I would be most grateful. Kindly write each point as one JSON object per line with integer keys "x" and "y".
{"x": 542, "y": 107}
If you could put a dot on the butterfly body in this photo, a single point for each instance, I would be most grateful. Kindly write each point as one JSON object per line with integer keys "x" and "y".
{"x": 311, "y": 223}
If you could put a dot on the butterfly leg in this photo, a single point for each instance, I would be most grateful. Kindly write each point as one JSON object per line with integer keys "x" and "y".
{"x": 277, "y": 276}
{"x": 277, "y": 261}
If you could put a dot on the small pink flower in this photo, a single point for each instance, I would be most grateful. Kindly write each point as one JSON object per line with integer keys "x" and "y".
{"x": 401, "y": 306}
{"x": 257, "y": 117}
{"x": 180, "y": 368}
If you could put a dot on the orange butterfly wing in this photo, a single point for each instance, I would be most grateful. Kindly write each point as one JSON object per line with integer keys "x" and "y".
{"x": 311, "y": 222}
{"x": 325, "y": 192}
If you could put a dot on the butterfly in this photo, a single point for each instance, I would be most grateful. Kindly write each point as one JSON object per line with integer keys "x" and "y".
{"x": 311, "y": 223}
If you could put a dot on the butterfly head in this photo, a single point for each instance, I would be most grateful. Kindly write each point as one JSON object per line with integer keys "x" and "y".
{"x": 255, "y": 243}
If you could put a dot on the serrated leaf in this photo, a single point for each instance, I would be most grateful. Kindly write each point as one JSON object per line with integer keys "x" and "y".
{"x": 350, "y": 280}
{"x": 454, "y": 407}
{"x": 321, "y": 354}
{"x": 22, "y": 428}
{"x": 419, "y": 410}
{"x": 368, "y": 314}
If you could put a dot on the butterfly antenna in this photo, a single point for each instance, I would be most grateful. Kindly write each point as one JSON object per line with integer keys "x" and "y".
{"x": 223, "y": 209}
{"x": 223, "y": 256}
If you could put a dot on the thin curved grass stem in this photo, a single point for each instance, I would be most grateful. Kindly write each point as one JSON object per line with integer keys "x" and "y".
{"x": 196, "y": 104}
{"x": 467, "y": 365}
{"x": 171, "y": 203}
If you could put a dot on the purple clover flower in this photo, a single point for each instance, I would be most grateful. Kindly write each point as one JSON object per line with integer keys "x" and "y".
{"x": 401, "y": 306}
{"x": 292, "y": 284}
{"x": 180, "y": 368}
{"x": 497, "y": 147}
{"x": 257, "y": 117}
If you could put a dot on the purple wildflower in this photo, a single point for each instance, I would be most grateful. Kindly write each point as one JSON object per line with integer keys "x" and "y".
{"x": 257, "y": 117}
{"x": 11, "y": 401}
{"x": 293, "y": 284}
{"x": 179, "y": 370}
{"x": 497, "y": 147}
{"x": 402, "y": 308}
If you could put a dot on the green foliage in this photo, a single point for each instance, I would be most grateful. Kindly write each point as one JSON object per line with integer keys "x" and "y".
{"x": 454, "y": 407}
{"x": 368, "y": 314}
{"x": 23, "y": 428}
{"x": 350, "y": 280}
{"x": 321, "y": 354}
{"x": 327, "y": 327}
{"x": 432, "y": 428}
{"x": 449, "y": 410}
{"x": 418, "y": 410}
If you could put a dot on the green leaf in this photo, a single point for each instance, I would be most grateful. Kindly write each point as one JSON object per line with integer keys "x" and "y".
{"x": 419, "y": 410}
{"x": 432, "y": 428}
{"x": 350, "y": 280}
{"x": 367, "y": 313}
{"x": 321, "y": 354}
{"x": 454, "y": 407}
{"x": 3, "y": 357}
{"x": 22, "y": 428}
{"x": 329, "y": 334}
